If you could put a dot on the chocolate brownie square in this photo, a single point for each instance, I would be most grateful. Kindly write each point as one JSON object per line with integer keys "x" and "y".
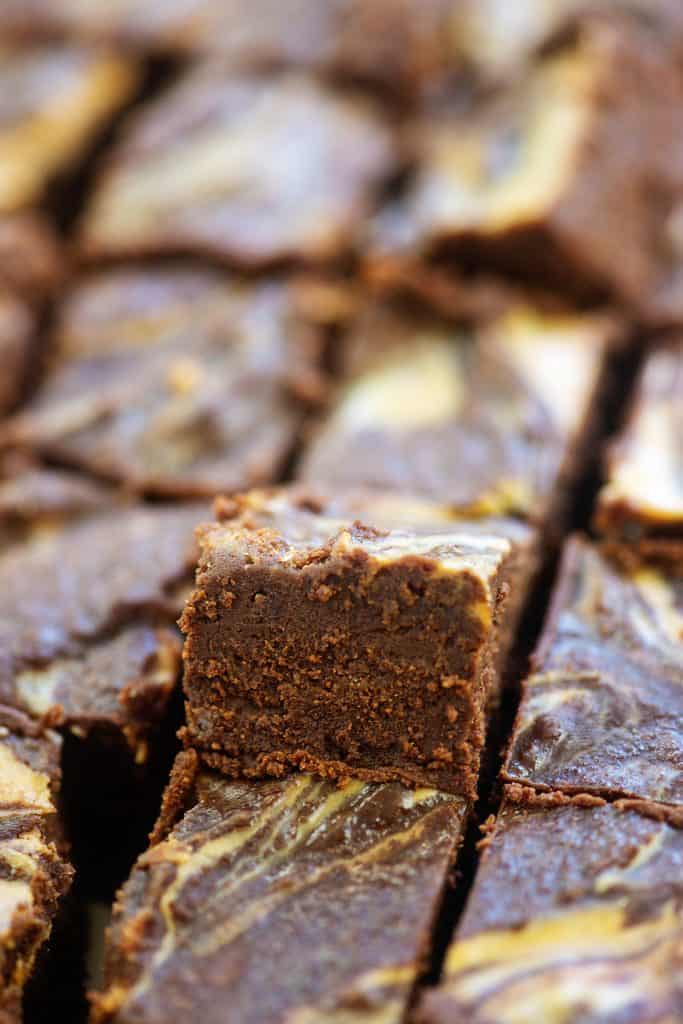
{"x": 576, "y": 914}
{"x": 34, "y": 876}
{"x": 640, "y": 508}
{"x": 350, "y": 637}
{"x": 176, "y": 381}
{"x": 602, "y": 710}
{"x": 254, "y": 169}
{"x": 490, "y": 418}
{"x": 340, "y": 886}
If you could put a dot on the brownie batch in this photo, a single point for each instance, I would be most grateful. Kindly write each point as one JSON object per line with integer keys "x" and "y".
{"x": 312, "y": 362}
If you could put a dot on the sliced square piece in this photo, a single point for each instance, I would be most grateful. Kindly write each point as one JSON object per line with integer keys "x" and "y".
{"x": 350, "y": 637}
{"x": 34, "y": 875}
{"x": 54, "y": 102}
{"x": 491, "y": 419}
{"x": 394, "y": 42}
{"x": 602, "y": 711}
{"x": 640, "y": 509}
{"x": 551, "y": 177}
{"x": 289, "y": 900}
{"x": 576, "y": 915}
{"x": 252, "y": 169}
{"x": 175, "y": 381}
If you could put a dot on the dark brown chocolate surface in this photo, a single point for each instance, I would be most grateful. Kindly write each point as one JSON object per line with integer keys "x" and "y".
{"x": 53, "y": 101}
{"x": 603, "y": 709}
{"x": 396, "y": 42}
{"x": 341, "y": 885}
{"x": 350, "y": 637}
{"x": 252, "y": 169}
{"x": 86, "y": 617}
{"x": 177, "y": 381}
{"x": 33, "y": 874}
{"x": 576, "y": 915}
{"x": 551, "y": 177}
{"x": 640, "y": 509}
{"x": 490, "y": 420}
{"x": 16, "y": 334}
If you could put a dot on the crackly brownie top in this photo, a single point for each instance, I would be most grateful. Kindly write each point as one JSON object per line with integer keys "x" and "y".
{"x": 393, "y": 41}
{"x": 603, "y": 710}
{"x": 52, "y": 102}
{"x": 250, "y": 168}
{"x": 480, "y": 418}
{"x": 293, "y": 530}
{"x": 98, "y": 592}
{"x": 32, "y": 874}
{"x": 177, "y": 380}
{"x": 342, "y": 880}
{"x": 576, "y": 913}
{"x": 644, "y": 490}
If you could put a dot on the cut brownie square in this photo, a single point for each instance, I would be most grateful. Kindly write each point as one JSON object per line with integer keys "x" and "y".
{"x": 552, "y": 176}
{"x": 640, "y": 509}
{"x": 341, "y": 886}
{"x": 602, "y": 711}
{"x": 350, "y": 637}
{"x": 252, "y": 169}
{"x": 175, "y": 381}
{"x": 33, "y": 873}
{"x": 393, "y": 42}
{"x": 491, "y": 419}
{"x": 54, "y": 101}
{"x": 576, "y": 915}
{"x": 16, "y": 335}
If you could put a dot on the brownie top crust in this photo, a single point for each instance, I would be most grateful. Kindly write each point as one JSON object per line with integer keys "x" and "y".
{"x": 603, "y": 709}
{"x": 481, "y": 418}
{"x": 577, "y": 913}
{"x": 33, "y": 875}
{"x": 253, "y": 169}
{"x": 643, "y": 495}
{"x": 175, "y": 381}
{"x": 351, "y": 876}
{"x": 53, "y": 101}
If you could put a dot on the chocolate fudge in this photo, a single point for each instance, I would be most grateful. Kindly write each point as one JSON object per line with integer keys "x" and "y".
{"x": 54, "y": 101}
{"x": 350, "y": 637}
{"x": 87, "y": 611}
{"x": 338, "y": 887}
{"x": 602, "y": 710}
{"x": 491, "y": 419}
{"x": 34, "y": 874}
{"x": 254, "y": 169}
{"x": 561, "y": 177}
{"x": 576, "y": 914}
{"x": 640, "y": 508}
{"x": 176, "y": 381}
{"x": 393, "y": 42}
{"x": 16, "y": 335}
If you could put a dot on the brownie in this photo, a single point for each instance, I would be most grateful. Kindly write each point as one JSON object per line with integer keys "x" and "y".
{"x": 176, "y": 381}
{"x": 551, "y": 177}
{"x": 87, "y": 612}
{"x": 490, "y": 418}
{"x": 30, "y": 260}
{"x": 640, "y": 508}
{"x": 35, "y": 497}
{"x": 392, "y": 42}
{"x": 54, "y": 101}
{"x": 250, "y": 168}
{"x": 16, "y": 335}
{"x": 350, "y": 637}
{"x": 288, "y": 900}
{"x": 602, "y": 710}
{"x": 34, "y": 875}
{"x": 576, "y": 915}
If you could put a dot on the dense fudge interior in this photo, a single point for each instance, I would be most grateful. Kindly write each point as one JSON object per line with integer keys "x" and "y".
{"x": 341, "y": 511}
